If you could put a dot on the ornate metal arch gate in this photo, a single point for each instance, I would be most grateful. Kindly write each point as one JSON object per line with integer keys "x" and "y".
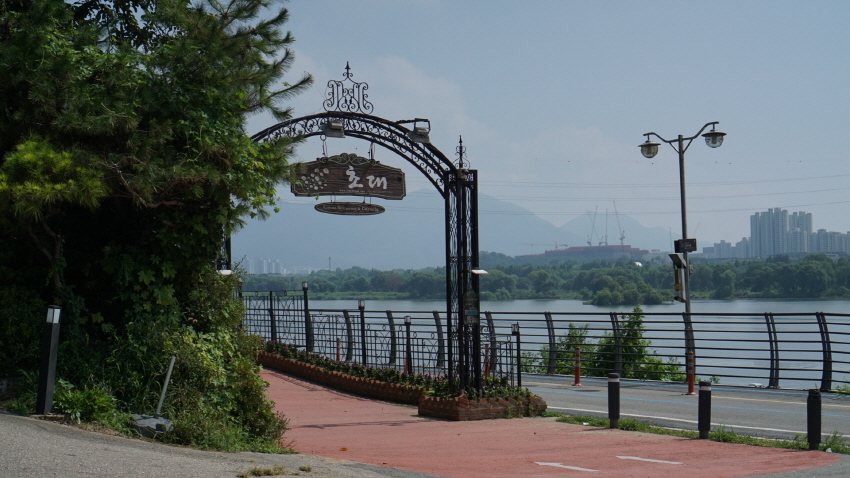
{"x": 347, "y": 107}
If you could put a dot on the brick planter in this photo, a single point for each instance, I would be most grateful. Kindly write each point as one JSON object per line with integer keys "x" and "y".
{"x": 391, "y": 392}
{"x": 458, "y": 409}
{"x": 464, "y": 409}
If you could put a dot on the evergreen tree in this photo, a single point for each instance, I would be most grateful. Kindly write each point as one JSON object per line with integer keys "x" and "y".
{"x": 123, "y": 161}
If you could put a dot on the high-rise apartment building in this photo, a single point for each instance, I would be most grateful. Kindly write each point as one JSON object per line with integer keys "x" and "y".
{"x": 775, "y": 232}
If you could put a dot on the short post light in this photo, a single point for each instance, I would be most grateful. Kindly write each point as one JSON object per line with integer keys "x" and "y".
{"x": 516, "y": 333}
{"x": 49, "y": 351}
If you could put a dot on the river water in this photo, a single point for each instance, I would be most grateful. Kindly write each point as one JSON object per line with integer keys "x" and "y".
{"x": 745, "y": 306}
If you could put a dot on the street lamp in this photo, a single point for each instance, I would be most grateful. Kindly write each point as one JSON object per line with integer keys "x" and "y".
{"x": 649, "y": 149}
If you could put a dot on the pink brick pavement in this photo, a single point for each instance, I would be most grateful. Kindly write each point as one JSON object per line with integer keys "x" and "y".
{"x": 334, "y": 424}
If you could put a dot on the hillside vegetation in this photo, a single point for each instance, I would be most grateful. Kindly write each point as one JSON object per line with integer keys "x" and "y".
{"x": 600, "y": 283}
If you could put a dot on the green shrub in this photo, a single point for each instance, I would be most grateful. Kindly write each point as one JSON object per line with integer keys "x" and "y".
{"x": 22, "y": 314}
{"x": 93, "y": 404}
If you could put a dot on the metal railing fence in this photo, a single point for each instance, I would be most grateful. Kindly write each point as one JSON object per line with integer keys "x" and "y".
{"x": 788, "y": 350}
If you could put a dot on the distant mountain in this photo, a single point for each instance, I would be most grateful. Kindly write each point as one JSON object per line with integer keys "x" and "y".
{"x": 635, "y": 234}
{"x": 411, "y": 235}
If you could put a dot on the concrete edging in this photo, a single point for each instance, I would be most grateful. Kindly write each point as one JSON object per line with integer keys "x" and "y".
{"x": 457, "y": 409}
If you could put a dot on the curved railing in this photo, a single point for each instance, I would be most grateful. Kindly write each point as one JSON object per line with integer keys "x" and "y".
{"x": 772, "y": 350}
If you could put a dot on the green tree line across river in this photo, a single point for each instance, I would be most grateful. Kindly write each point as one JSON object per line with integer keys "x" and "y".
{"x": 621, "y": 282}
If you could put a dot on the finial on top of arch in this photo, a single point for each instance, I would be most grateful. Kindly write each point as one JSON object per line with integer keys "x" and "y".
{"x": 460, "y": 151}
{"x": 347, "y": 95}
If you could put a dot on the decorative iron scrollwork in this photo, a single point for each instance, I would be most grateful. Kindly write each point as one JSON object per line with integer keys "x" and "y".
{"x": 346, "y": 158}
{"x": 353, "y": 98}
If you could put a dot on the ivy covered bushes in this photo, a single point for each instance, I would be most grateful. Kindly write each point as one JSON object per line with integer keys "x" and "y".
{"x": 124, "y": 162}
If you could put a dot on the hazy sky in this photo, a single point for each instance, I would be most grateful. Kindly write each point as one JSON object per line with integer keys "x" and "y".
{"x": 552, "y": 99}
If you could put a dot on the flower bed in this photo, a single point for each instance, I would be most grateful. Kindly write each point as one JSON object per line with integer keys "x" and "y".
{"x": 459, "y": 408}
{"x": 464, "y": 409}
{"x": 391, "y": 392}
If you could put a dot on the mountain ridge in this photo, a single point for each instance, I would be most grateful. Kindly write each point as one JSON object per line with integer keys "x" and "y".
{"x": 411, "y": 234}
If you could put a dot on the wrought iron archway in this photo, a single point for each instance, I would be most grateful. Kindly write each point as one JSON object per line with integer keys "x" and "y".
{"x": 347, "y": 104}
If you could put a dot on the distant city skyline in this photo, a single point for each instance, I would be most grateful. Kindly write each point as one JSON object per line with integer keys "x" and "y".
{"x": 775, "y": 232}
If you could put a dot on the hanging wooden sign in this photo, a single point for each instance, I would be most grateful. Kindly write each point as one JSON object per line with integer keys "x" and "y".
{"x": 349, "y": 208}
{"x": 349, "y": 175}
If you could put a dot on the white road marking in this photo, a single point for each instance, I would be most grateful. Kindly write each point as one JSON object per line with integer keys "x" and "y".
{"x": 650, "y": 460}
{"x": 605, "y": 414}
{"x": 560, "y": 465}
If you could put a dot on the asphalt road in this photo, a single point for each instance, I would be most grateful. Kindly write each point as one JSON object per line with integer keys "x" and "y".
{"x": 755, "y": 411}
{"x": 37, "y": 448}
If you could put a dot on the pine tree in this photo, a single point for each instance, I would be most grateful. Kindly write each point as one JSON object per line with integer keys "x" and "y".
{"x": 124, "y": 159}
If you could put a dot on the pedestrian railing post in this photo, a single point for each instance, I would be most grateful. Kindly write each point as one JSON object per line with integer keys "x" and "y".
{"x": 617, "y": 365}
{"x": 553, "y": 349}
{"x": 487, "y": 360}
{"x": 813, "y": 418}
{"x": 408, "y": 360}
{"x": 704, "y": 411}
{"x": 272, "y": 318}
{"x": 349, "y": 336}
{"x": 491, "y": 357}
{"x": 308, "y": 321}
{"x": 515, "y": 331}
{"x": 361, "y": 305}
{"x": 773, "y": 342}
{"x": 393, "y": 339}
{"x": 441, "y": 347}
{"x": 613, "y": 400}
{"x": 826, "y": 347}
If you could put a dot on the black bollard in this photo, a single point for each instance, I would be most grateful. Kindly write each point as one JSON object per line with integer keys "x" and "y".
{"x": 704, "y": 423}
{"x": 614, "y": 400}
{"x": 813, "y": 428}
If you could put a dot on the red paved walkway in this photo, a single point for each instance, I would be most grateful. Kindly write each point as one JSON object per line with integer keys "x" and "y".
{"x": 333, "y": 424}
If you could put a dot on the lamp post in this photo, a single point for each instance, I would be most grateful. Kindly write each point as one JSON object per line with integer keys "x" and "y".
{"x": 681, "y": 144}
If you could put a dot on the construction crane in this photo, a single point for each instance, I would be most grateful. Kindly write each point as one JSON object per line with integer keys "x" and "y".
{"x": 604, "y": 239}
{"x": 592, "y": 226}
{"x": 622, "y": 232}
